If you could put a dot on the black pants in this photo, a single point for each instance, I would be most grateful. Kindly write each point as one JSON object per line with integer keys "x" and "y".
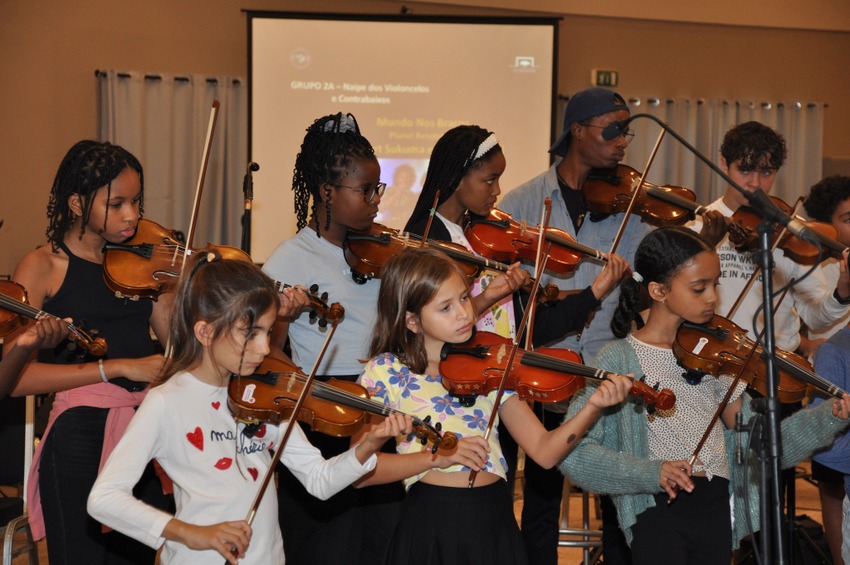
{"x": 695, "y": 529}
{"x": 68, "y": 469}
{"x": 352, "y": 527}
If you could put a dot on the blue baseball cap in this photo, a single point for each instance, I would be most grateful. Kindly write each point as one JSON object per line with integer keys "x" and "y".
{"x": 583, "y": 106}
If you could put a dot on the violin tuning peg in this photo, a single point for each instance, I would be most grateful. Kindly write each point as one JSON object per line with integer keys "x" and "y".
{"x": 424, "y": 440}
{"x": 324, "y": 297}
{"x": 438, "y": 426}
{"x": 314, "y": 288}
{"x": 427, "y": 419}
{"x": 650, "y": 408}
{"x": 657, "y": 386}
{"x": 323, "y": 322}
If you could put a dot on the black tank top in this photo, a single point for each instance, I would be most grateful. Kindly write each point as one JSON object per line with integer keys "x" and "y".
{"x": 123, "y": 323}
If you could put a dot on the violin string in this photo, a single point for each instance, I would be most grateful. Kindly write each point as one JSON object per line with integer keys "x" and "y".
{"x": 24, "y": 309}
{"x": 333, "y": 393}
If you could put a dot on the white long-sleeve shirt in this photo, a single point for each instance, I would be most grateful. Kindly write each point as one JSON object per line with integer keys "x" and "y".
{"x": 186, "y": 426}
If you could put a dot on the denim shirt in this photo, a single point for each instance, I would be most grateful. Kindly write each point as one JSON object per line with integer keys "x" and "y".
{"x": 525, "y": 203}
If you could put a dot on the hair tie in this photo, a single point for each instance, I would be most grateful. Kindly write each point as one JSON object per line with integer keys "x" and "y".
{"x": 346, "y": 122}
{"x": 637, "y": 276}
{"x": 485, "y": 146}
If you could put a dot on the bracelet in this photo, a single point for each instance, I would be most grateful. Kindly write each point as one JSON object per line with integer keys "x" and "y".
{"x": 842, "y": 301}
{"x": 102, "y": 371}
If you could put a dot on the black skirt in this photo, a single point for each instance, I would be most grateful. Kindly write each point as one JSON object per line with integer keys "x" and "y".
{"x": 457, "y": 526}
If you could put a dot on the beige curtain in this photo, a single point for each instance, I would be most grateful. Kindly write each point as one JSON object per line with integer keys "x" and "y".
{"x": 163, "y": 120}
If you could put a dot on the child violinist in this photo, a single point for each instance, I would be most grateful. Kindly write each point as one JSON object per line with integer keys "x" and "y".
{"x": 422, "y": 305}
{"x": 96, "y": 199}
{"x": 465, "y": 167}
{"x": 337, "y": 186}
{"x": 222, "y": 320}
{"x": 641, "y": 460}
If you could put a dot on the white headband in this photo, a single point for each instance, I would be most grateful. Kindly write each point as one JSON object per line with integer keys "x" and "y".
{"x": 485, "y": 146}
{"x": 637, "y": 277}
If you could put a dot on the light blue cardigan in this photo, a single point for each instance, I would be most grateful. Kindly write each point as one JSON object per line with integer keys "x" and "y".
{"x": 613, "y": 458}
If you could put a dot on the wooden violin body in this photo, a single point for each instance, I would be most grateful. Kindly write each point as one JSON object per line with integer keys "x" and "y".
{"x": 15, "y": 310}
{"x": 144, "y": 265}
{"x": 500, "y": 237}
{"x": 721, "y": 347}
{"x": 334, "y": 407}
{"x": 367, "y": 252}
{"x": 611, "y": 191}
{"x": 153, "y": 258}
{"x": 544, "y": 375}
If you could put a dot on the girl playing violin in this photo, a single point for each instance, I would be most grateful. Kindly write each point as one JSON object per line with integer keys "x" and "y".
{"x": 465, "y": 167}
{"x": 423, "y": 304}
{"x": 642, "y": 460}
{"x": 223, "y": 317}
{"x": 337, "y": 188}
{"x": 96, "y": 198}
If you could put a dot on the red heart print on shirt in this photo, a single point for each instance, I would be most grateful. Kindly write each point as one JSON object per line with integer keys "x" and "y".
{"x": 224, "y": 463}
{"x": 216, "y": 404}
{"x": 196, "y": 438}
{"x": 261, "y": 431}
{"x": 254, "y": 473}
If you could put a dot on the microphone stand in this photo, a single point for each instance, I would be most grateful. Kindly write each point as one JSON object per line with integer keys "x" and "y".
{"x": 248, "y": 190}
{"x": 771, "y": 450}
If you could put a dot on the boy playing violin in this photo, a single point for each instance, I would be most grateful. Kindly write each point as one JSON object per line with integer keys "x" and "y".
{"x": 752, "y": 154}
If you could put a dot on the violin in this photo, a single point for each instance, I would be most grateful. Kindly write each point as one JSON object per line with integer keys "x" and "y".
{"x": 14, "y": 308}
{"x": 500, "y": 237}
{"x": 721, "y": 347}
{"x": 545, "y": 375}
{"x": 610, "y": 191}
{"x": 334, "y": 407}
{"x": 367, "y": 251}
{"x": 139, "y": 268}
{"x": 743, "y": 229}
{"x": 743, "y": 233}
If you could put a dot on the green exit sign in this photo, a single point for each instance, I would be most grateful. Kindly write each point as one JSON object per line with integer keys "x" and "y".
{"x": 602, "y": 77}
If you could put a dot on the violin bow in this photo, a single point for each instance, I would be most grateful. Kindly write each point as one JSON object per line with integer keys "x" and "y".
{"x": 205, "y": 158}
{"x": 538, "y": 269}
{"x": 636, "y": 192}
{"x": 293, "y": 421}
{"x": 746, "y": 290}
{"x": 501, "y": 390}
{"x": 431, "y": 213}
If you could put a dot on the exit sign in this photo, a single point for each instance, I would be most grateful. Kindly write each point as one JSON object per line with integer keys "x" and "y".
{"x": 601, "y": 77}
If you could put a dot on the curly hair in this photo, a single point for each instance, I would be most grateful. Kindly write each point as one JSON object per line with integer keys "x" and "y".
{"x": 825, "y": 196}
{"x": 87, "y": 167}
{"x": 752, "y": 144}
{"x": 452, "y": 157}
{"x": 332, "y": 143}
{"x": 660, "y": 255}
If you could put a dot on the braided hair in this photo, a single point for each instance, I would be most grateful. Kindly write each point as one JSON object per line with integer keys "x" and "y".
{"x": 452, "y": 157}
{"x": 658, "y": 258}
{"x": 332, "y": 143}
{"x": 88, "y": 166}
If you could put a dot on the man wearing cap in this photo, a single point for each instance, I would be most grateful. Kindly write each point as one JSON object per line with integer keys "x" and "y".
{"x": 581, "y": 148}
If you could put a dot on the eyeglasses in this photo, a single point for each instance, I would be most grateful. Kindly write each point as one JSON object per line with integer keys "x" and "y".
{"x": 627, "y": 134}
{"x": 369, "y": 192}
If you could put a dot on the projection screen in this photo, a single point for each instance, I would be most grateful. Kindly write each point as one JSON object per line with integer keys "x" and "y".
{"x": 407, "y": 81}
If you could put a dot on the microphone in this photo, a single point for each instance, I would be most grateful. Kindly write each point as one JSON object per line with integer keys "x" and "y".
{"x": 248, "y": 181}
{"x": 766, "y": 208}
{"x": 615, "y": 129}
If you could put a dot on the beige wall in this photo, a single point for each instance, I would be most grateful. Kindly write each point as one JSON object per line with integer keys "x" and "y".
{"x": 51, "y": 48}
